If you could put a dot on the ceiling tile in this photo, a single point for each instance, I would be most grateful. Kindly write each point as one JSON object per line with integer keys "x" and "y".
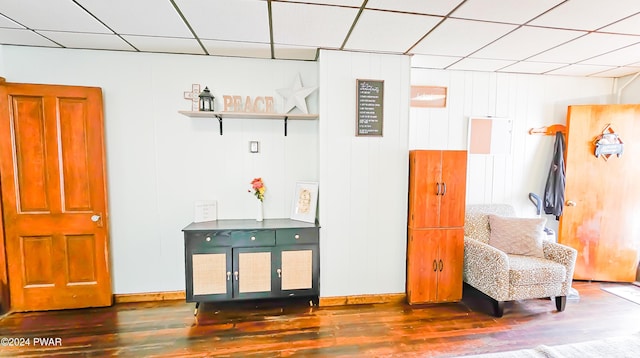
{"x": 469, "y": 37}
{"x": 311, "y": 25}
{"x": 290, "y": 52}
{"x": 228, "y": 19}
{"x": 427, "y": 61}
{"x": 585, "y": 47}
{"x": 389, "y": 31}
{"x": 537, "y": 39}
{"x": 440, "y": 7}
{"x": 580, "y": 70}
{"x": 88, "y": 41}
{"x": 353, "y": 3}
{"x": 6, "y": 22}
{"x": 165, "y": 44}
{"x": 24, "y": 37}
{"x": 140, "y": 17}
{"x": 587, "y": 14}
{"x": 630, "y": 25}
{"x": 618, "y": 72}
{"x": 620, "y": 57}
{"x": 54, "y": 15}
{"x": 477, "y": 64}
{"x": 532, "y": 67}
{"x": 237, "y": 49}
{"x": 515, "y": 12}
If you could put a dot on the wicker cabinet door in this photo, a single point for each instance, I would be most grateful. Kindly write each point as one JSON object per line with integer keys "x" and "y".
{"x": 298, "y": 270}
{"x": 253, "y": 274}
{"x": 209, "y": 274}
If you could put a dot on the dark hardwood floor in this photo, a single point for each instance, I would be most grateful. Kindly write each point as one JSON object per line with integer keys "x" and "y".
{"x": 288, "y": 328}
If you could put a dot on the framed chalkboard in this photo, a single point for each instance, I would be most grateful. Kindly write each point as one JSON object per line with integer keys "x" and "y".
{"x": 369, "y": 102}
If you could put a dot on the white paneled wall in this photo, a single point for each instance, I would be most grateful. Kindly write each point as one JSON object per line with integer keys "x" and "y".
{"x": 160, "y": 162}
{"x": 530, "y": 101}
{"x": 363, "y": 180}
{"x": 628, "y": 89}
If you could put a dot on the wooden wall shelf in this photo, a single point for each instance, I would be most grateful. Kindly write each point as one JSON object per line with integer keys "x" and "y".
{"x": 248, "y": 115}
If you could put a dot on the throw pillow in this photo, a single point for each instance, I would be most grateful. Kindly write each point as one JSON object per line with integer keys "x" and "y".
{"x": 518, "y": 236}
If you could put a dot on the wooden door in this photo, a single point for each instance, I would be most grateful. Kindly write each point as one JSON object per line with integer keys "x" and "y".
{"x": 602, "y": 197}
{"x": 450, "y": 264}
{"x": 453, "y": 190}
{"x": 296, "y": 266}
{"x": 54, "y": 196}
{"x": 422, "y": 265}
{"x": 425, "y": 173}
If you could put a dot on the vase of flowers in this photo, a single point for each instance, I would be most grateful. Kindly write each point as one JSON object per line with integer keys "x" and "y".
{"x": 258, "y": 188}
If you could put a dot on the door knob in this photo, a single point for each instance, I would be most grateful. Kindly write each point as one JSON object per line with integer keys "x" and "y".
{"x": 571, "y": 203}
{"x": 95, "y": 218}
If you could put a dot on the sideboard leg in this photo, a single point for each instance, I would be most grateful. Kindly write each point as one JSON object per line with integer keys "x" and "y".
{"x": 195, "y": 312}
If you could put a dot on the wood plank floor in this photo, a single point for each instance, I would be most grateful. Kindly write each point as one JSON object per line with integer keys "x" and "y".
{"x": 268, "y": 329}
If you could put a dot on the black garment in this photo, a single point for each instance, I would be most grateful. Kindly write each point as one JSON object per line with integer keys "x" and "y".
{"x": 554, "y": 189}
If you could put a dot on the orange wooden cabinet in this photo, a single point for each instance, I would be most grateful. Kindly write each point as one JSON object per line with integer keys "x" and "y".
{"x": 437, "y": 188}
{"x": 435, "y": 248}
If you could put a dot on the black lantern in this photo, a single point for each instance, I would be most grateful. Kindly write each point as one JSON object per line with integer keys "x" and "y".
{"x": 206, "y": 100}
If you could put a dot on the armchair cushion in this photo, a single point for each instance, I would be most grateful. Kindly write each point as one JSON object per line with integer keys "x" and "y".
{"x": 528, "y": 270}
{"x": 518, "y": 236}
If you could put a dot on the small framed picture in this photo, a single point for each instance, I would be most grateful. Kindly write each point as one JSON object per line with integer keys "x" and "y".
{"x": 305, "y": 201}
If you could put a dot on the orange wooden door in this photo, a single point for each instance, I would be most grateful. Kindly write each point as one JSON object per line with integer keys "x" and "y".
{"x": 422, "y": 265}
{"x": 54, "y": 196}
{"x": 453, "y": 188}
{"x": 425, "y": 173}
{"x": 450, "y": 264}
{"x": 602, "y": 197}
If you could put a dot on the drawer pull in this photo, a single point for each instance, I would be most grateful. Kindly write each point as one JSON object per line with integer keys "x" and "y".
{"x": 297, "y": 236}
{"x": 253, "y": 238}
{"x": 208, "y": 238}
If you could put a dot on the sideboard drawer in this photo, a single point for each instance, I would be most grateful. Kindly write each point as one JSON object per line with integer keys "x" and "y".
{"x": 208, "y": 239}
{"x": 253, "y": 238}
{"x": 296, "y": 236}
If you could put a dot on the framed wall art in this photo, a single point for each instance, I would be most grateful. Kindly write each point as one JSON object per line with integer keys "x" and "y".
{"x": 305, "y": 202}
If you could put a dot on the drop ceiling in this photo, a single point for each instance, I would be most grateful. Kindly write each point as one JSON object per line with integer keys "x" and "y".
{"x": 571, "y": 37}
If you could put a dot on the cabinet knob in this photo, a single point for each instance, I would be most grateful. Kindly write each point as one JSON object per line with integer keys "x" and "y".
{"x": 235, "y": 274}
{"x": 208, "y": 238}
{"x": 228, "y": 275}
{"x": 297, "y": 236}
{"x": 279, "y": 271}
{"x": 253, "y": 238}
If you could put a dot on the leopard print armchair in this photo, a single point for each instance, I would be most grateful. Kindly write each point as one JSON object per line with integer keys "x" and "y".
{"x": 506, "y": 277}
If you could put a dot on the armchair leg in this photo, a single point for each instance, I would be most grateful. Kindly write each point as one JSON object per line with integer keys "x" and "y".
{"x": 561, "y": 302}
{"x": 498, "y": 308}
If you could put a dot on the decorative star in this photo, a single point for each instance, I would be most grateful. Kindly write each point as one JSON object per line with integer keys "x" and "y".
{"x": 296, "y": 96}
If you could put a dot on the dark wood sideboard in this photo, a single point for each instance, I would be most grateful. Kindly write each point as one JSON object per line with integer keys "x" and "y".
{"x": 228, "y": 260}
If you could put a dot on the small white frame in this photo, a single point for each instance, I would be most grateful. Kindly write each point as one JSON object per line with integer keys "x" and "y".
{"x": 305, "y": 202}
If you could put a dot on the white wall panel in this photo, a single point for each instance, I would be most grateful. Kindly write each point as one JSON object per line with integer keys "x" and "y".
{"x": 364, "y": 181}
{"x": 529, "y": 100}
{"x": 160, "y": 162}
